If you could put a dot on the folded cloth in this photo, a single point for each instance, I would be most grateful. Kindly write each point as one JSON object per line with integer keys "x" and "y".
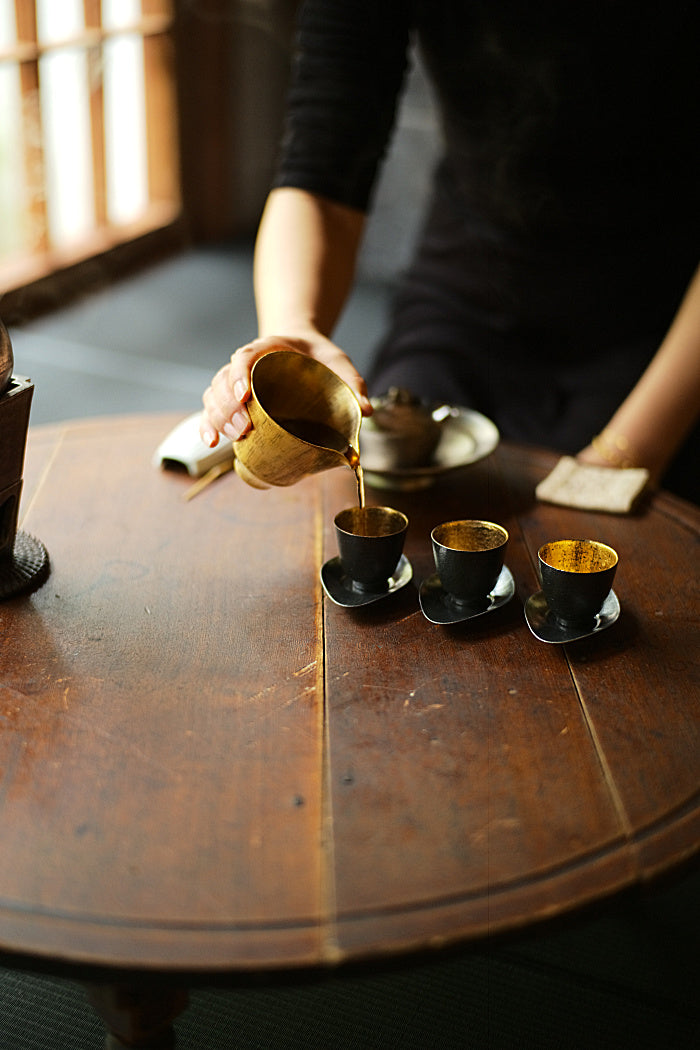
{"x": 183, "y": 447}
{"x": 586, "y": 487}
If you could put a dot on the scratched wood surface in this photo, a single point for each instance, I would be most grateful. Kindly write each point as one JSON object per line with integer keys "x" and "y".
{"x": 479, "y": 778}
{"x": 205, "y": 766}
{"x": 161, "y": 732}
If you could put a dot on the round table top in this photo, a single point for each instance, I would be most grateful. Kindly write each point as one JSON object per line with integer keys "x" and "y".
{"x": 208, "y": 766}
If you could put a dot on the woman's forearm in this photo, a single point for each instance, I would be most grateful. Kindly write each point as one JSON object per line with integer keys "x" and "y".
{"x": 303, "y": 270}
{"x": 655, "y": 418}
{"x": 304, "y": 266}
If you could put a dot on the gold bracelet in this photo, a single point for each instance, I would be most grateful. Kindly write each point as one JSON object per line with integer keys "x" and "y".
{"x": 614, "y": 448}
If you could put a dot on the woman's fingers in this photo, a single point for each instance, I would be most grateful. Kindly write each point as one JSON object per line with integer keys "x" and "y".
{"x": 243, "y": 359}
{"x": 224, "y": 411}
{"x": 224, "y": 400}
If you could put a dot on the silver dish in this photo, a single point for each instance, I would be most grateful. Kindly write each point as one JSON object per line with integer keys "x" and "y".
{"x": 466, "y": 437}
{"x": 340, "y": 588}
{"x": 437, "y": 606}
{"x": 547, "y": 629}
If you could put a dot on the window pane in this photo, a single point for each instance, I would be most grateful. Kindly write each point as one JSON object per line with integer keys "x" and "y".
{"x": 12, "y": 178}
{"x": 8, "y": 28}
{"x": 86, "y": 123}
{"x": 58, "y": 20}
{"x": 125, "y": 128}
{"x": 67, "y": 145}
{"x": 118, "y": 13}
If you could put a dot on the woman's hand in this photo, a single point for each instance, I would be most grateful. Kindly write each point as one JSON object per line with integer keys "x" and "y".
{"x": 225, "y": 399}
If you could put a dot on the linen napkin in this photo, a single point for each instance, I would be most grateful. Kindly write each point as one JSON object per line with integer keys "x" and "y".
{"x": 580, "y": 485}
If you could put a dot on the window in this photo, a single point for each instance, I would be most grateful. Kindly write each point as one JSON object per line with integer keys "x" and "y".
{"x": 88, "y": 137}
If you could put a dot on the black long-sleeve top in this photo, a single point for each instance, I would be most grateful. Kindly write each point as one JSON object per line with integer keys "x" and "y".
{"x": 561, "y": 121}
{"x": 563, "y": 225}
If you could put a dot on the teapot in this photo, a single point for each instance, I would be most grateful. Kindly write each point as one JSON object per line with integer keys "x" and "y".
{"x": 401, "y": 433}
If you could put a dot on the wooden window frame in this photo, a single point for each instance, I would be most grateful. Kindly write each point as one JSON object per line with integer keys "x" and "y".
{"x": 44, "y": 277}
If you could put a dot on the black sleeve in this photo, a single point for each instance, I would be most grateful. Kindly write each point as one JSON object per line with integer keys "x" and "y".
{"x": 347, "y": 75}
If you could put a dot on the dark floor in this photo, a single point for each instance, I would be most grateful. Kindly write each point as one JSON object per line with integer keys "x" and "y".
{"x": 625, "y": 978}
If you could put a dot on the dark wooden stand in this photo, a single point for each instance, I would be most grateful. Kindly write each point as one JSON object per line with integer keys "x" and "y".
{"x": 15, "y": 404}
{"x": 24, "y": 560}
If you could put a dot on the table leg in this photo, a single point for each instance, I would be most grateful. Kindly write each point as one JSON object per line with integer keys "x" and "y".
{"x": 137, "y": 1017}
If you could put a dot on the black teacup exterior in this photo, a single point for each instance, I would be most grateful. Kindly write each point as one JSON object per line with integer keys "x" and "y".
{"x": 370, "y": 544}
{"x": 468, "y": 557}
{"x": 577, "y": 576}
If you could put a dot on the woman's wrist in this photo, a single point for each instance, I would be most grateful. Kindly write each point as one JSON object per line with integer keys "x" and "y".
{"x": 615, "y": 449}
{"x": 302, "y": 335}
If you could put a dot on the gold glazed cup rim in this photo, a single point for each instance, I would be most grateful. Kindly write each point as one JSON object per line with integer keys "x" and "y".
{"x": 578, "y": 556}
{"x": 371, "y": 522}
{"x": 469, "y": 535}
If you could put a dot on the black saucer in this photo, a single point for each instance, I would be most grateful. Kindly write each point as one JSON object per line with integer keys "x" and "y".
{"x": 438, "y": 607}
{"x": 340, "y": 587}
{"x": 545, "y": 627}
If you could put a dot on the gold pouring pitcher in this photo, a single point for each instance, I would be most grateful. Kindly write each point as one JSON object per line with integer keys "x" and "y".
{"x": 305, "y": 420}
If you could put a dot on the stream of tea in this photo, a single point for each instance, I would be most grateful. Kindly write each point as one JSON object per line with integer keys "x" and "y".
{"x": 353, "y": 458}
{"x": 328, "y": 437}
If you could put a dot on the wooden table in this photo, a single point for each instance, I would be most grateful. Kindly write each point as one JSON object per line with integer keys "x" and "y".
{"x": 208, "y": 768}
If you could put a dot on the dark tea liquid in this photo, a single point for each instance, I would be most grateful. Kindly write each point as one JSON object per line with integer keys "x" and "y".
{"x": 328, "y": 437}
